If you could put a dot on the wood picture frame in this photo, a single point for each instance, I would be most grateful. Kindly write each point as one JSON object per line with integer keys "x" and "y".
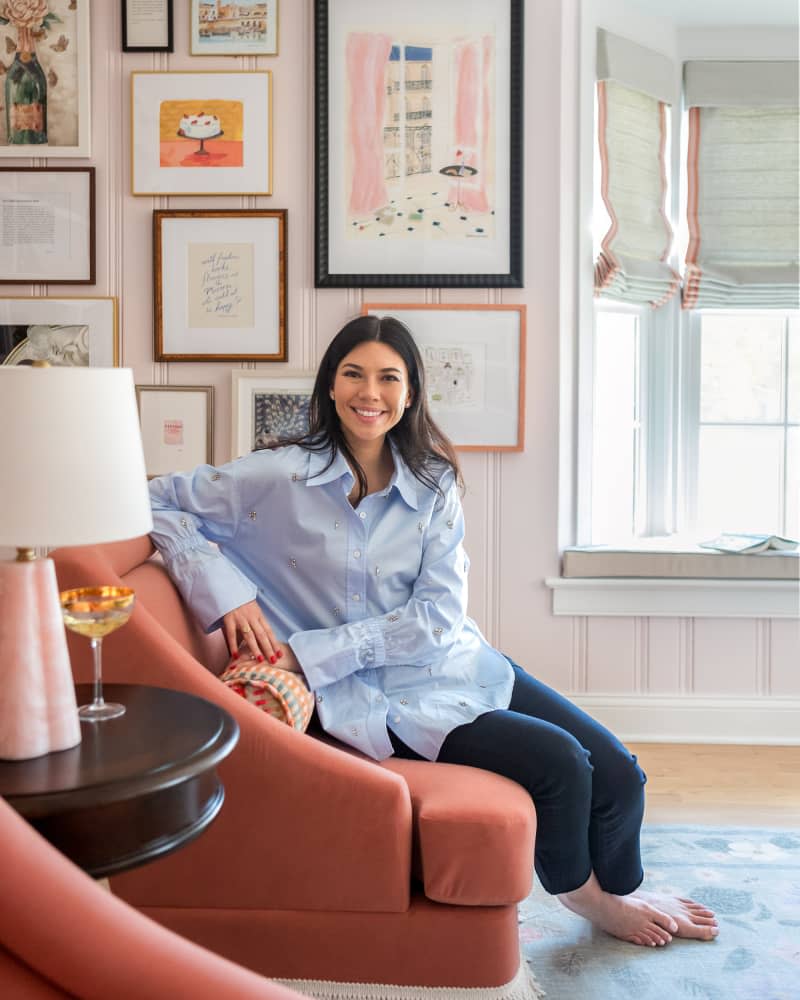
{"x": 47, "y": 226}
{"x": 61, "y": 44}
{"x": 220, "y": 289}
{"x": 147, "y": 26}
{"x": 266, "y": 407}
{"x": 419, "y": 143}
{"x": 474, "y": 357}
{"x": 177, "y": 423}
{"x": 63, "y": 330}
{"x": 252, "y": 32}
{"x": 201, "y": 133}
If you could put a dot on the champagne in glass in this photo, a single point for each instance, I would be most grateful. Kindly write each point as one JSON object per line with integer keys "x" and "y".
{"x": 95, "y": 612}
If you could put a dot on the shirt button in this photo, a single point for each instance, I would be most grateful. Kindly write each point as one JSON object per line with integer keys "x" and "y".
{"x": 377, "y": 571}
{"x": 396, "y": 718}
{"x": 336, "y": 524}
{"x": 379, "y": 698}
{"x": 361, "y": 514}
{"x": 356, "y": 597}
{"x": 357, "y": 553}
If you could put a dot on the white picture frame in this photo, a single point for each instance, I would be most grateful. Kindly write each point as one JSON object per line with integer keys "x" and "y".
{"x": 474, "y": 357}
{"x": 242, "y": 37}
{"x": 258, "y": 397}
{"x": 177, "y": 423}
{"x": 235, "y": 161}
{"x": 98, "y": 314}
{"x": 65, "y": 56}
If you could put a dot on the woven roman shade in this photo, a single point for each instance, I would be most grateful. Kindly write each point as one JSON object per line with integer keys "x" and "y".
{"x": 635, "y": 86}
{"x": 743, "y": 185}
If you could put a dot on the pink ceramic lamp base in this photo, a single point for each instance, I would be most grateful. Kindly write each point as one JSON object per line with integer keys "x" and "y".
{"x": 38, "y": 713}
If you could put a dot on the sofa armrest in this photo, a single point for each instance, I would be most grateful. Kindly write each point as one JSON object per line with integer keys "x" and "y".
{"x": 303, "y": 825}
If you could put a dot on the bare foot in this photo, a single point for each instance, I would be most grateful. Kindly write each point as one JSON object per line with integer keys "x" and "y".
{"x": 630, "y": 918}
{"x": 693, "y": 919}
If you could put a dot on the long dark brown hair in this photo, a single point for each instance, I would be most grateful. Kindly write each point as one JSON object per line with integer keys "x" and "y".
{"x": 425, "y": 449}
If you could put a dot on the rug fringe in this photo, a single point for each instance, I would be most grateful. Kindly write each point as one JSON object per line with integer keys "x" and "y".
{"x": 522, "y": 987}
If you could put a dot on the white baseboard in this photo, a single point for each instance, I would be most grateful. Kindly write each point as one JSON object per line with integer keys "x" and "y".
{"x": 692, "y": 719}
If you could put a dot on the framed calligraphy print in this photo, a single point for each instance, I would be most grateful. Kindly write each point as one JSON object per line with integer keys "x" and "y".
{"x": 220, "y": 284}
{"x": 419, "y": 143}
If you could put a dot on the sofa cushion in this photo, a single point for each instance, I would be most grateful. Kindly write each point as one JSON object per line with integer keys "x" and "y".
{"x": 473, "y": 833}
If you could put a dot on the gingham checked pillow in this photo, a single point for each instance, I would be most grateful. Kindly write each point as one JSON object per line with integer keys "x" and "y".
{"x": 280, "y": 693}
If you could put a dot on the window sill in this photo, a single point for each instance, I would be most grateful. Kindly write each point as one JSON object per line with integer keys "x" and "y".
{"x": 655, "y": 597}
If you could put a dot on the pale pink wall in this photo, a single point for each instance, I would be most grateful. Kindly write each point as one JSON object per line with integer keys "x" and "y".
{"x": 512, "y": 503}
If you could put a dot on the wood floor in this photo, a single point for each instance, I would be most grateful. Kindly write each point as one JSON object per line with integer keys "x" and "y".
{"x": 721, "y": 785}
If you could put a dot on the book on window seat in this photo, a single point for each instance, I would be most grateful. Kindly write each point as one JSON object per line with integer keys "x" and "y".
{"x": 745, "y": 544}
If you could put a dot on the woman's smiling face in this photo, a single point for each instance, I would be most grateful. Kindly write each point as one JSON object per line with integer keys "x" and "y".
{"x": 371, "y": 392}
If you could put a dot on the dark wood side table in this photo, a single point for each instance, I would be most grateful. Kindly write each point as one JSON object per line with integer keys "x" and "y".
{"x": 135, "y": 788}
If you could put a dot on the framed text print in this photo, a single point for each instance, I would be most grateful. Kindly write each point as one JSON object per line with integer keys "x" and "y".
{"x": 474, "y": 358}
{"x": 177, "y": 424}
{"x": 419, "y": 143}
{"x": 201, "y": 133}
{"x": 220, "y": 284}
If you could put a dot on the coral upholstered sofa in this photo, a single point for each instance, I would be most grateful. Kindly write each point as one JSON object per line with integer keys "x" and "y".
{"x": 322, "y": 865}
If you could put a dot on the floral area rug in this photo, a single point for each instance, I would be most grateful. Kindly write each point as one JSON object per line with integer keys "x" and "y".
{"x": 750, "y": 877}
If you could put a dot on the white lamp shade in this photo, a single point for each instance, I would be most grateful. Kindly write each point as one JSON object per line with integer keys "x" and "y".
{"x": 71, "y": 462}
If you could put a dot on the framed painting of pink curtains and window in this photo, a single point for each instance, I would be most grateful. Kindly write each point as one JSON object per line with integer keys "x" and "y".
{"x": 419, "y": 143}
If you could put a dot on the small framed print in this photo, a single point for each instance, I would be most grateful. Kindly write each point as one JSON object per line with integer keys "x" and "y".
{"x": 67, "y": 331}
{"x": 474, "y": 357}
{"x": 47, "y": 225}
{"x": 220, "y": 284}
{"x": 45, "y": 70}
{"x": 201, "y": 133}
{"x": 177, "y": 427}
{"x": 147, "y": 26}
{"x": 247, "y": 28}
{"x": 268, "y": 408}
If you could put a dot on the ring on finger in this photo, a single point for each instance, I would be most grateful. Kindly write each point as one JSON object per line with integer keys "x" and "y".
{"x": 244, "y": 631}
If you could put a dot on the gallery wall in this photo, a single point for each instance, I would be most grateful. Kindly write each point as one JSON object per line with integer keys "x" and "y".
{"x": 512, "y": 499}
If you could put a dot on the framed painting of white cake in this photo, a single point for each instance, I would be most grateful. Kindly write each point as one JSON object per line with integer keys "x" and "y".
{"x": 201, "y": 133}
{"x": 219, "y": 284}
{"x": 247, "y": 28}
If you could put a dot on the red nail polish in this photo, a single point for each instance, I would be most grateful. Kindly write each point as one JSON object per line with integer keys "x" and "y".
{"x": 235, "y": 654}
{"x": 273, "y": 659}
{"x": 260, "y": 658}
{"x": 279, "y": 654}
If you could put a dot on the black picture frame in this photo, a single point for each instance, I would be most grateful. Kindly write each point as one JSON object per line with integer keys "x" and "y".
{"x": 338, "y": 263}
{"x": 127, "y": 46}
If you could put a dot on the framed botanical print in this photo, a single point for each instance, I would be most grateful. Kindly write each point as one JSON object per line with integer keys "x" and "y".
{"x": 419, "y": 143}
{"x": 177, "y": 424}
{"x": 201, "y": 133}
{"x": 46, "y": 84}
{"x": 220, "y": 284}
{"x": 474, "y": 357}
{"x": 247, "y": 28}
{"x": 267, "y": 408}
{"x": 68, "y": 331}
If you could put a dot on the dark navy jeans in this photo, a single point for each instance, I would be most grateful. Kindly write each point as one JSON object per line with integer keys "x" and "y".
{"x": 588, "y": 789}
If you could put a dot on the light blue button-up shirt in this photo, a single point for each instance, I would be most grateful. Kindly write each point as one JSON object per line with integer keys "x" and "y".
{"x": 371, "y": 600}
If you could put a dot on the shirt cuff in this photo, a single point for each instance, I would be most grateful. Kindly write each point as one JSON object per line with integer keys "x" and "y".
{"x": 329, "y": 654}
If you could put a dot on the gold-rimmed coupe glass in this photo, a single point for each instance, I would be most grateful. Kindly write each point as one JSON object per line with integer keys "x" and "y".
{"x": 97, "y": 612}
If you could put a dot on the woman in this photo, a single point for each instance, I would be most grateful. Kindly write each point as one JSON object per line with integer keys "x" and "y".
{"x": 340, "y": 556}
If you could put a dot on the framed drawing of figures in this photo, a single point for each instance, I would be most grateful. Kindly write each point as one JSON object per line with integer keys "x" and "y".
{"x": 220, "y": 284}
{"x": 44, "y": 51}
{"x": 201, "y": 133}
{"x": 247, "y": 28}
{"x": 67, "y": 331}
{"x": 267, "y": 408}
{"x": 474, "y": 359}
{"x": 419, "y": 143}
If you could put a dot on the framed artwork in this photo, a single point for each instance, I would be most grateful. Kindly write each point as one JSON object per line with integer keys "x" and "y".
{"x": 474, "y": 358}
{"x": 177, "y": 427}
{"x": 220, "y": 284}
{"x": 247, "y": 28}
{"x": 64, "y": 331}
{"x": 147, "y": 26}
{"x": 267, "y": 408}
{"x": 201, "y": 133}
{"x": 46, "y": 82}
{"x": 419, "y": 143}
{"x": 47, "y": 225}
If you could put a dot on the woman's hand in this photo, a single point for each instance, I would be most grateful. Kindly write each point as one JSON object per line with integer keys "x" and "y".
{"x": 249, "y": 622}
